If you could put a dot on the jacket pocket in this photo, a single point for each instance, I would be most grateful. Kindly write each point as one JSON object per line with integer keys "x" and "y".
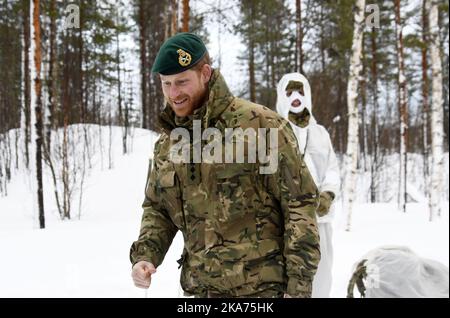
{"x": 236, "y": 192}
{"x": 169, "y": 192}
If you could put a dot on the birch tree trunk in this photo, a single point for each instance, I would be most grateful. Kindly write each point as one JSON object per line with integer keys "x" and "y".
{"x": 350, "y": 161}
{"x": 437, "y": 115}
{"x": 375, "y": 131}
{"x": 403, "y": 110}
{"x": 425, "y": 99}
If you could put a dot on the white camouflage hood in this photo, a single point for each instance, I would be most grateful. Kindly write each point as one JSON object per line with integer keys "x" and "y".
{"x": 284, "y": 102}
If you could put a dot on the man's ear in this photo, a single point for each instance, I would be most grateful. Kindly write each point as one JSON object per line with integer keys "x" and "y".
{"x": 206, "y": 73}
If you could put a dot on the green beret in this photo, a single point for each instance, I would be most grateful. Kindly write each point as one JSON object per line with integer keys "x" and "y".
{"x": 179, "y": 53}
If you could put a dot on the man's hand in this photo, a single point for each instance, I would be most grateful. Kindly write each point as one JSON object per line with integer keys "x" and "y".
{"x": 326, "y": 198}
{"x": 142, "y": 274}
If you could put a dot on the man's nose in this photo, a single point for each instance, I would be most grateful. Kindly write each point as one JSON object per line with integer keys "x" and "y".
{"x": 296, "y": 103}
{"x": 173, "y": 92}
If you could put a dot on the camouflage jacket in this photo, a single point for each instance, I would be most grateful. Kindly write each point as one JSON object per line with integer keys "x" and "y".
{"x": 244, "y": 232}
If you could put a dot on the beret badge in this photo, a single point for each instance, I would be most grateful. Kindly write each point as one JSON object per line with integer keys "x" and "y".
{"x": 184, "y": 58}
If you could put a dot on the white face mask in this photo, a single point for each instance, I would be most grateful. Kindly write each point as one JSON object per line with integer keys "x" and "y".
{"x": 296, "y": 95}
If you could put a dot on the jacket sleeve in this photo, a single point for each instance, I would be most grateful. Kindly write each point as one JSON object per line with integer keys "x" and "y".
{"x": 157, "y": 229}
{"x": 298, "y": 196}
{"x": 332, "y": 180}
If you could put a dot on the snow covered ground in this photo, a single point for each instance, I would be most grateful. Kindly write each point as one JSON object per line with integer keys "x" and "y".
{"x": 88, "y": 257}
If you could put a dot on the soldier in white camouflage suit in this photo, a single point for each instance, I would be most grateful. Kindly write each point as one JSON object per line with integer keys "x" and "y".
{"x": 294, "y": 103}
